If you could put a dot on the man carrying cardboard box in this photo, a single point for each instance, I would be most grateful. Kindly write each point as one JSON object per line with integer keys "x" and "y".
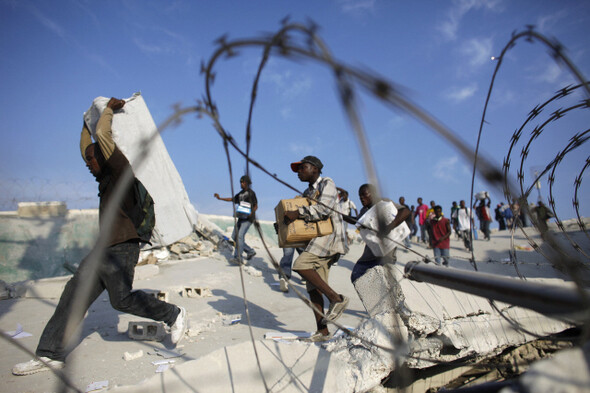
{"x": 314, "y": 263}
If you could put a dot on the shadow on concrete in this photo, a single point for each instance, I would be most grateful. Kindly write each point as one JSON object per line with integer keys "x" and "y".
{"x": 259, "y": 316}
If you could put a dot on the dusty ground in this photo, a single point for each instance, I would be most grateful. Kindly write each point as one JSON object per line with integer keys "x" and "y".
{"x": 104, "y": 340}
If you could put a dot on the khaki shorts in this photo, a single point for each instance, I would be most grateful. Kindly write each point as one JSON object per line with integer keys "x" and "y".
{"x": 321, "y": 265}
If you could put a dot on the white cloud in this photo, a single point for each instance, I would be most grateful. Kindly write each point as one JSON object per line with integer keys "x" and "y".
{"x": 448, "y": 168}
{"x": 288, "y": 85}
{"x": 69, "y": 39}
{"x": 396, "y": 123}
{"x": 148, "y": 48}
{"x": 450, "y": 25}
{"x": 462, "y": 93}
{"x": 287, "y": 112}
{"x": 479, "y": 51}
{"x": 301, "y": 149}
{"x": 551, "y": 74}
{"x": 47, "y": 22}
{"x": 351, "y": 6}
{"x": 547, "y": 22}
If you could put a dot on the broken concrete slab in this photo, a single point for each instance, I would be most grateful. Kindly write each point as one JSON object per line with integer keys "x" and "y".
{"x": 47, "y": 288}
{"x": 149, "y": 259}
{"x": 460, "y": 327}
{"x": 287, "y": 368}
{"x": 566, "y": 371}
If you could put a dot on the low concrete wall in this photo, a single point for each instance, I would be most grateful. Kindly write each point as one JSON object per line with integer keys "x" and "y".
{"x": 38, "y": 247}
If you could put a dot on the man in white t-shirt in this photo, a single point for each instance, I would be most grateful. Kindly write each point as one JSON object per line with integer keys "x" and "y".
{"x": 463, "y": 221}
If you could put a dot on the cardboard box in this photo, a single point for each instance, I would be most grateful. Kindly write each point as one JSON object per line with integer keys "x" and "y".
{"x": 298, "y": 233}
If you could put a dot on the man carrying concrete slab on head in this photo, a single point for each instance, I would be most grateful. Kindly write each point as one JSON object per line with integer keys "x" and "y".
{"x": 368, "y": 260}
{"x": 314, "y": 263}
{"x": 116, "y": 262}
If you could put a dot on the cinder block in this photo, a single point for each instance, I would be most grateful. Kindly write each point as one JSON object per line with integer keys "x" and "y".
{"x": 163, "y": 296}
{"x": 196, "y": 292}
{"x": 147, "y": 331}
{"x": 160, "y": 295}
{"x": 377, "y": 292}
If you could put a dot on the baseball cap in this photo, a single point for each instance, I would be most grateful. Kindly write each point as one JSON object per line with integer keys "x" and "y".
{"x": 310, "y": 160}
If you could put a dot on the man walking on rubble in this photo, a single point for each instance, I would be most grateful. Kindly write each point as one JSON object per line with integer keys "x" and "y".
{"x": 440, "y": 228}
{"x": 245, "y": 212}
{"x": 464, "y": 221}
{"x": 421, "y": 210}
{"x": 409, "y": 223}
{"x": 368, "y": 260}
{"x": 314, "y": 263}
{"x": 114, "y": 268}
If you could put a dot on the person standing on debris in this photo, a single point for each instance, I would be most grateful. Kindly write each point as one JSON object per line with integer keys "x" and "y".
{"x": 464, "y": 220}
{"x": 114, "y": 268}
{"x": 345, "y": 206}
{"x": 421, "y": 210}
{"x": 499, "y": 216}
{"x": 368, "y": 260}
{"x": 247, "y": 204}
{"x": 314, "y": 263}
{"x": 414, "y": 227}
{"x": 440, "y": 229}
{"x": 454, "y": 208}
{"x": 543, "y": 214}
{"x": 429, "y": 217}
{"x": 286, "y": 264}
{"x": 484, "y": 215}
{"x": 409, "y": 223}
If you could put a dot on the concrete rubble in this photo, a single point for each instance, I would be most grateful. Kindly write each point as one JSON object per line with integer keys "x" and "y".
{"x": 429, "y": 324}
{"x": 566, "y": 371}
{"x": 404, "y": 311}
{"x": 302, "y": 367}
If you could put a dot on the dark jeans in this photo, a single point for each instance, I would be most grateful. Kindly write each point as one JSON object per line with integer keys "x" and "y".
{"x": 115, "y": 274}
{"x": 424, "y": 232}
{"x": 287, "y": 261}
{"x": 485, "y": 228}
{"x": 466, "y": 235}
{"x": 239, "y": 236}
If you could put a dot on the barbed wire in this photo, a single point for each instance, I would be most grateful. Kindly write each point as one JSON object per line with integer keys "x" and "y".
{"x": 310, "y": 47}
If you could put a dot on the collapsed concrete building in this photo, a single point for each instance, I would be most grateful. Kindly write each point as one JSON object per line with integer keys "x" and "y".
{"x": 419, "y": 338}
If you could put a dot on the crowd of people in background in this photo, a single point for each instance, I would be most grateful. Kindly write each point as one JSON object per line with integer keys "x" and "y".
{"x": 428, "y": 224}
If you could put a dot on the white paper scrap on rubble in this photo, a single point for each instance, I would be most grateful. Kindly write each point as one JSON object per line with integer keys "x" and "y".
{"x": 19, "y": 332}
{"x": 162, "y": 367}
{"x": 95, "y": 386}
{"x": 160, "y": 362}
{"x": 284, "y": 335}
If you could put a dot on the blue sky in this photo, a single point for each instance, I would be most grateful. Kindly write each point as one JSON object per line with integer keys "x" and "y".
{"x": 58, "y": 56}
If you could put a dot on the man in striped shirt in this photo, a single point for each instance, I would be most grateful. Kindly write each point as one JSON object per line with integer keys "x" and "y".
{"x": 314, "y": 263}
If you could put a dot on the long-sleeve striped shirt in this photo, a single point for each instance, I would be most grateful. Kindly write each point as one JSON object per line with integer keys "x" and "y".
{"x": 325, "y": 193}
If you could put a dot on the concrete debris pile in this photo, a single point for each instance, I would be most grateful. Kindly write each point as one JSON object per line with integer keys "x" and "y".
{"x": 206, "y": 240}
{"x": 439, "y": 325}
